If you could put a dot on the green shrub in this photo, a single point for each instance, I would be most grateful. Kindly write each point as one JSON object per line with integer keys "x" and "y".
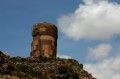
{"x": 63, "y": 70}
{"x": 23, "y": 71}
{"x": 75, "y": 76}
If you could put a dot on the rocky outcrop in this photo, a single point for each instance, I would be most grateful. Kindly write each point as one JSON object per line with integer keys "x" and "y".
{"x": 41, "y": 68}
{"x": 5, "y": 67}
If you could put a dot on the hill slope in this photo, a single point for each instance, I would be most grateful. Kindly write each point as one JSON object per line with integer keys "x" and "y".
{"x": 41, "y": 68}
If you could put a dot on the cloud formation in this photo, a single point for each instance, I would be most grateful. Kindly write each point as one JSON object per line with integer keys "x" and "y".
{"x": 63, "y": 56}
{"x": 93, "y": 1}
{"x": 106, "y": 69}
{"x": 94, "y": 19}
{"x": 100, "y": 52}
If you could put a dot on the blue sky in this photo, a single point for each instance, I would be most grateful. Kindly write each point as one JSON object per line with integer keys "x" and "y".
{"x": 18, "y": 16}
{"x": 89, "y": 30}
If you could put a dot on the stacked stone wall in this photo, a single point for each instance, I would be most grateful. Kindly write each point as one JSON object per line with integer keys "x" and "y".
{"x": 44, "y": 40}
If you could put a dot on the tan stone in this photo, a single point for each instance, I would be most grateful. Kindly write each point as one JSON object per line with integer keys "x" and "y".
{"x": 44, "y": 40}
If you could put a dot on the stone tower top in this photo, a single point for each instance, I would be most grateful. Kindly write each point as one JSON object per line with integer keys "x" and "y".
{"x": 44, "y": 28}
{"x": 44, "y": 40}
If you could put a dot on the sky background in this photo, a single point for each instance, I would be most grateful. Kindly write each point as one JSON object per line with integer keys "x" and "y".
{"x": 89, "y": 31}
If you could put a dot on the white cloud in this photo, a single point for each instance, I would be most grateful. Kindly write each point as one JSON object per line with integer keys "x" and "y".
{"x": 95, "y": 19}
{"x": 92, "y": 1}
{"x": 100, "y": 52}
{"x": 107, "y": 69}
{"x": 63, "y": 56}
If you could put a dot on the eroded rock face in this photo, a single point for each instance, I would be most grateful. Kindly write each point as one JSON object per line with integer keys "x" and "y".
{"x": 44, "y": 40}
{"x": 5, "y": 67}
{"x": 3, "y": 57}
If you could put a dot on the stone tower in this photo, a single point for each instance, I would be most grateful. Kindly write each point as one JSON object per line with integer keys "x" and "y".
{"x": 44, "y": 40}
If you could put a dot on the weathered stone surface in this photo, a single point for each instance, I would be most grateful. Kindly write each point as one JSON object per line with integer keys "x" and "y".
{"x": 44, "y": 40}
{"x": 5, "y": 67}
{"x": 3, "y": 57}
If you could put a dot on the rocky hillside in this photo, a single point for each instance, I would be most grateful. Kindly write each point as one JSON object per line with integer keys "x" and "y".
{"x": 41, "y": 68}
